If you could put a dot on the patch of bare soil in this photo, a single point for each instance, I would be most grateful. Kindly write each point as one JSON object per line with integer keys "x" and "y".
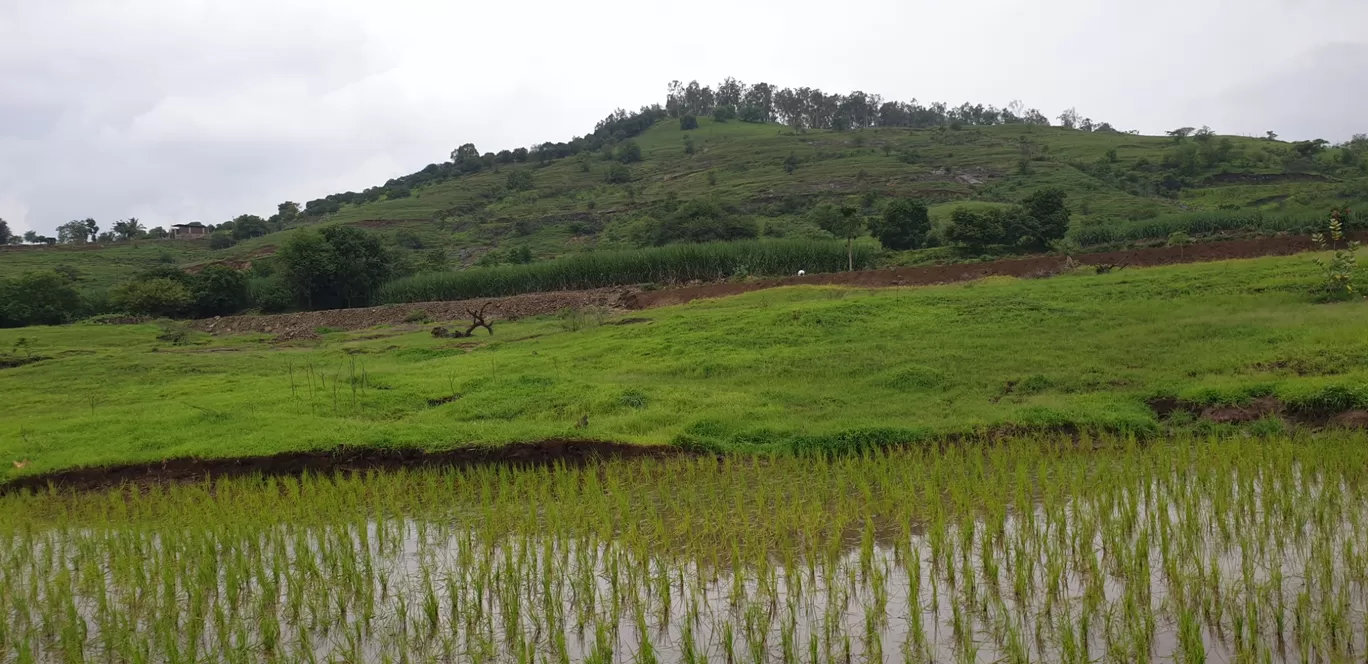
{"x": 15, "y": 361}
{"x": 1165, "y": 407}
{"x": 340, "y": 460}
{"x": 304, "y": 325}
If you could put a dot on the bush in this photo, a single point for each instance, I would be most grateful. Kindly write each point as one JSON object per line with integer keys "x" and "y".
{"x": 628, "y": 152}
{"x": 1046, "y": 219}
{"x": 723, "y": 113}
{"x": 597, "y": 269}
{"x": 975, "y": 230}
{"x": 702, "y": 221}
{"x": 270, "y": 295}
{"x": 38, "y": 298}
{"x": 218, "y": 290}
{"x": 687, "y": 122}
{"x": 154, "y": 296}
{"x": 221, "y": 240}
{"x": 339, "y": 266}
{"x": 618, "y": 174}
{"x": 1207, "y": 223}
{"x": 520, "y": 180}
{"x": 904, "y": 225}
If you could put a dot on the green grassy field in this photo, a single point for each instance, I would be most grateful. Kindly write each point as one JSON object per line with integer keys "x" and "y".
{"x": 773, "y": 370}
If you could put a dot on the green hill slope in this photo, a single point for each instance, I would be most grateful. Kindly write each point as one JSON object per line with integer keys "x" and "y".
{"x": 767, "y": 177}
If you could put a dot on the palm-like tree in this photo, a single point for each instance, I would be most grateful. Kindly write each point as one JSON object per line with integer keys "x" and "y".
{"x": 129, "y": 228}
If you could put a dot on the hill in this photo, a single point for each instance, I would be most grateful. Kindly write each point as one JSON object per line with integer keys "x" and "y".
{"x": 620, "y": 187}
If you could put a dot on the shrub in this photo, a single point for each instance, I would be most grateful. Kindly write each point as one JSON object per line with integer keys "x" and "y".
{"x": 38, "y": 298}
{"x": 975, "y": 230}
{"x": 687, "y": 122}
{"x": 618, "y": 174}
{"x": 339, "y": 266}
{"x": 221, "y": 240}
{"x": 702, "y": 221}
{"x": 724, "y": 112}
{"x": 520, "y": 180}
{"x": 218, "y": 290}
{"x": 628, "y": 152}
{"x": 1339, "y": 270}
{"x": 904, "y": 225}
{"x": 154, "y": 296}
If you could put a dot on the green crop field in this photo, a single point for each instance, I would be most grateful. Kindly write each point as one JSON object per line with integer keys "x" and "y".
{"x": 772, "y": 370}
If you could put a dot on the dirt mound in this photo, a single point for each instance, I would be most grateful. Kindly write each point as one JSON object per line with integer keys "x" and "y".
{"x": 304, "y": 325}
{"x": 1036, "y": 266}
{"x": 342, "y": 459}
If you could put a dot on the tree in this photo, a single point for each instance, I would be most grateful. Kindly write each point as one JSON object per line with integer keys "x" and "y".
{"x": 520, "y": 180}
{"x": 158, "y": 233}
{"x": 687, "y": 122}
{"x": 1179, "y": 239}
{"x": 904, "y": 224}
{"x": 1270, "y": 135}
{"x": 249, "y": 226}
{"x": 701, "y": 220}
{"x": 618, "y": 174}
{"x": 844, "y": 223}
{"x": 339, "y": 266}
{"x": 1180, "y": 134}
{"x": 628, "y": 152}
{"x": 1309, "y": 149}
{"x": 221, "y": 240}
{"x": 287, "y": 211}
{"x": 38, "y": 298}
{"x": 73, "y": 232}
{"x": 5, "y": 235}
{"x": 975, "y": 230}
{"x": 129, "y": 228}
{"x": 724, "y": 113}
{"x": 1050, "y": 214}
{"x": 30, "y": 236}
{"x": 464, "y": 154}
{"x": 218, "y": 290}
{"x": 155, "y": 296}
{"x": 1069, "y": 119}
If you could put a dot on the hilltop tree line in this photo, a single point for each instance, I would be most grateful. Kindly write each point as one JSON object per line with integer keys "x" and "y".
{"x": 221, "y": 236}
{"x": 801, "y": 108}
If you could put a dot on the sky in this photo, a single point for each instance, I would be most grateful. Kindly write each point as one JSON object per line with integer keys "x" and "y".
{"x": 195, "y": 110}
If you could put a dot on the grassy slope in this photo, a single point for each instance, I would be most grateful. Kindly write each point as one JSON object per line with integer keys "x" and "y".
{"x": 572, "y": 208}
{"x": 759, "y": 369}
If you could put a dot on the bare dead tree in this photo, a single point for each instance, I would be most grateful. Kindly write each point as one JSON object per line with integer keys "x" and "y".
{"x": 478, "y": 320}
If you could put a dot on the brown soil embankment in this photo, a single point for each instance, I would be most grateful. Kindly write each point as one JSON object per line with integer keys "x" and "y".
{"x": 1035, "y": 266}
{"x": 345, "y": 460}
{"x": 305, "y": 324}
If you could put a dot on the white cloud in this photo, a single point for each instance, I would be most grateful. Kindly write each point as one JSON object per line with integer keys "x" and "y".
{"x": 173, "y": 110}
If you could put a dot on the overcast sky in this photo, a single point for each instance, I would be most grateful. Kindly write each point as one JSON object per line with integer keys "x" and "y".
{"x": 181, "y": 110}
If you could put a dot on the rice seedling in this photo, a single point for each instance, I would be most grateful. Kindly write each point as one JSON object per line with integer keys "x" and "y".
{"x": 1024, "y": 550}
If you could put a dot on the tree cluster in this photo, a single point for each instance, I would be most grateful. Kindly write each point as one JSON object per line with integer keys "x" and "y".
{"x": 1038, "y": 220}
{"x": 811, "y": 108}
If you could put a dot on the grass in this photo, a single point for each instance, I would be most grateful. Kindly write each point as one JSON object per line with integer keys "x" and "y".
{"x": 775, "y": 370}
{"x": 673, "y": 264}
{"x": 1032, "y": 549}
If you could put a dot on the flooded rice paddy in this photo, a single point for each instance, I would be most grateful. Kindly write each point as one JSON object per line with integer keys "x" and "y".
{"x": 1249, "y": 550}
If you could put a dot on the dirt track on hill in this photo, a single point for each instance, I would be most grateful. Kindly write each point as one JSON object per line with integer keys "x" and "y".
{"x": 304, "y": 325}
